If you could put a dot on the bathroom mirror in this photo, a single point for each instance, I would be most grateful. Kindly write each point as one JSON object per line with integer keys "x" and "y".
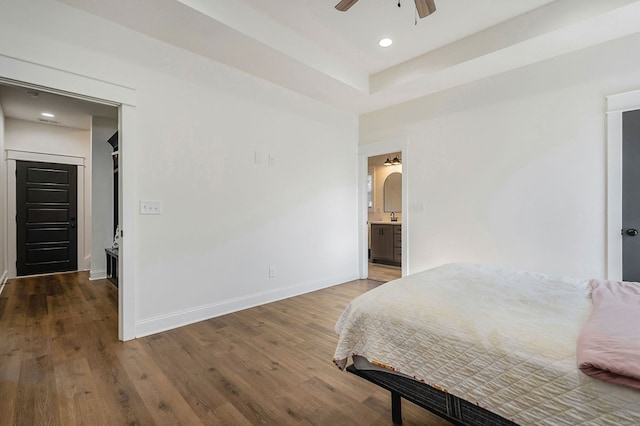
{"x": 393, "y": 193}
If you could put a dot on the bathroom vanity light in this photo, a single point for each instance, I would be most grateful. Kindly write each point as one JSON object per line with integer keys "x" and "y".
{"x": 395, "y": 162}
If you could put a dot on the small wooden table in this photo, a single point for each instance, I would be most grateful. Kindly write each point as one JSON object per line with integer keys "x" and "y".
{"x": 112, "y": 265}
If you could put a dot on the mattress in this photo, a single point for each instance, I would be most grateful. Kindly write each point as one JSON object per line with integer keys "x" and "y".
{"x": 502, "y": 339}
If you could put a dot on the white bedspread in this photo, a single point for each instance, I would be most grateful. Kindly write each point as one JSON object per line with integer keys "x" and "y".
{"x": 504, "y": 339}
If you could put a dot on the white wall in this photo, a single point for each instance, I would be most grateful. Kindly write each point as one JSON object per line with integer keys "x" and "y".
{"x": 101, "y": 193}
{"x": 511, "y": 170}
{"x": 3, "y": 203}
{"x": 30, "y": 136}
{"x": 225, "y": 218}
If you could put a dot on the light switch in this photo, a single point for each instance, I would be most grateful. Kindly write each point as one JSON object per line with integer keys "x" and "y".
{"x": 257, "y": 157}
{"x": 416, "y": 207}
{"x": 150, "y": 207}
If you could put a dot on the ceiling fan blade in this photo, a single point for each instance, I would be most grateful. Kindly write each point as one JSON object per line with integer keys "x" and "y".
{"x": 425, "y": 7}
{"x": 344, "y": 5}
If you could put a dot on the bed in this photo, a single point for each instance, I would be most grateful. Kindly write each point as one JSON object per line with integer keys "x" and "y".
{"x": 481, "y": 344}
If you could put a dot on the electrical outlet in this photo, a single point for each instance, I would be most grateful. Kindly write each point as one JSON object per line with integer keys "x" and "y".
{"x": 272, "y": 271}
{"x": 150, "y": 207}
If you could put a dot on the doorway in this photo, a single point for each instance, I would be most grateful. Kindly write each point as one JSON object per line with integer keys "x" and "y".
{"x": 617, "y": 107}
{"x": 384, "y": 197}
{"x": 630, "y": 196}
{"x": 48, "y": 160}
{"x": 77, "y": 86}
{"x": 372, "y": 209}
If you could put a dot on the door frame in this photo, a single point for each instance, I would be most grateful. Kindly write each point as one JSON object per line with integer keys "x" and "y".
{"x": 31, "y": 74}
{"x": 616, "y": 105}
{"x": 364, "y": 152}
{"x": 12, "y": 157}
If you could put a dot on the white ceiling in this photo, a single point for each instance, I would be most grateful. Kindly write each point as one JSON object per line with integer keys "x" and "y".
{"x": 309, "y": 47}
{"x": 28, "y": 104}
{"x": 353, "y": 36}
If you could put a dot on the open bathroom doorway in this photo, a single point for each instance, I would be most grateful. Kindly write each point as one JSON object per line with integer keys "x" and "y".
{"x": 384, "y": 204}
{"x": 383, "y": 215}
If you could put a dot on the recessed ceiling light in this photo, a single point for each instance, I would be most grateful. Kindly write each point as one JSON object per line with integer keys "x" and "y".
{"x": 385, "y": 42}
{"x": 47, "y": 114}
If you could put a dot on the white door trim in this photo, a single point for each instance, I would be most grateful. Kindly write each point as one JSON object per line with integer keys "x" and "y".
{"x": 28, "y": 73}
{"x": 616, "y": 105}
{"x": 364, "y": 152}
{"x": 12, "y": 157}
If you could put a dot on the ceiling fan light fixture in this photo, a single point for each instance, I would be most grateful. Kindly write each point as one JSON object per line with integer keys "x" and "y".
{"x": 385, "y": 42}
{"x": 423, "y": 7}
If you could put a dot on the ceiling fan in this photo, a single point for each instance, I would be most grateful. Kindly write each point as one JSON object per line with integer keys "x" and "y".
{"x": 424, "y": 7}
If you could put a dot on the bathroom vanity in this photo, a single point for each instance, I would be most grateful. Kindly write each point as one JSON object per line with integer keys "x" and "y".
{"x": 386, "y": 243}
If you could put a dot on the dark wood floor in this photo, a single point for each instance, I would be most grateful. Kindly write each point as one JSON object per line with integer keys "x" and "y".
{"x": 61, "y": 363}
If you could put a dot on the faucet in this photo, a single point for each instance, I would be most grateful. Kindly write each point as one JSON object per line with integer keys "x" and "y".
{"x": 393, "y": 217}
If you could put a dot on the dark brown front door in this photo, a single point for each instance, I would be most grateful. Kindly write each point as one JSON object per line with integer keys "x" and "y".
{"x": 46, "y": 204}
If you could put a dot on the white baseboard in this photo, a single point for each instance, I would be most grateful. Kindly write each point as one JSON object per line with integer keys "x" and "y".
{"x": 201, "y": 313}
{"x": 87, "y": 263}
{"x": 97, "y": 275}
{"x": 3, "y": 280}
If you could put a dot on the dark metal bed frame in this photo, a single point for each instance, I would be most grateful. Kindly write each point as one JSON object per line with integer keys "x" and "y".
{"x": 456, "y": 410}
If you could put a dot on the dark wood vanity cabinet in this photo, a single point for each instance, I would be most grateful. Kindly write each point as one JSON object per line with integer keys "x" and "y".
{"x": 386, "y": 244}
{"x": 397, "y": 244}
